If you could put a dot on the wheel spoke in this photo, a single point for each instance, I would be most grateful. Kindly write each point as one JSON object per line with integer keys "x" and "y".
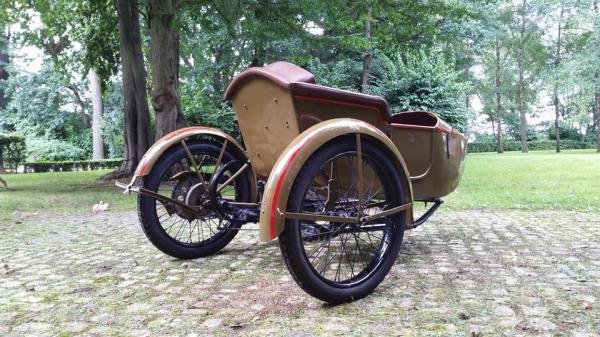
{"x": 344, "y": 187}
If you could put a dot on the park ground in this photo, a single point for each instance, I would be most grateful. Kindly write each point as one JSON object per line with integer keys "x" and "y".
{"x": 515, "y": 251}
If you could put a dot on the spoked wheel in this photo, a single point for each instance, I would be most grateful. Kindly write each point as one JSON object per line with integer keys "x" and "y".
{"x": 184, "y": 173}
{"x": 331, "y": 258}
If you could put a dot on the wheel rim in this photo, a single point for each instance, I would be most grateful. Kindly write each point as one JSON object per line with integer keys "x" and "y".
{"x": 346, "y": 254}
{"x": 188, "y": 175}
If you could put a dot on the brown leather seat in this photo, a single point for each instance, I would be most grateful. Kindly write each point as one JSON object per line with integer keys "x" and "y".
{"x": 281, "y": 73}
{"x": 342, "y": 97}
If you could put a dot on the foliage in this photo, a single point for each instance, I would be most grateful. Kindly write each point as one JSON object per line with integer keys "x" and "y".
{"x": 12, "y": 150}
{"x": 513, "y": 131}
{"x": 37, "y": 105}
{"x": 565, "y": 132}
{"x": 113, "y": 120}
{"x": 537, "y": 145}
{"x": 78, "y": 35}
{"x": 424, "y": 80}
{"x": 54, "y": 149}
{"x": 343, "y": 74}
{"x": 71, "y": 165}
{"x": 82, "y": 140}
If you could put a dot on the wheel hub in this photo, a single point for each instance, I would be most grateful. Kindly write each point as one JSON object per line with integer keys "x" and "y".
{"x": 191, "y": 191}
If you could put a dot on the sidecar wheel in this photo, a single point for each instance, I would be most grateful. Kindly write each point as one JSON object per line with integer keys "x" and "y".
{"x": 342, "y": 262}
{"x": 167, "y": 227}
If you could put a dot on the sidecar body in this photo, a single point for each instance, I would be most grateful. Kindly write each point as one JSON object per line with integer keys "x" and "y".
{"x": 275, "y": 103}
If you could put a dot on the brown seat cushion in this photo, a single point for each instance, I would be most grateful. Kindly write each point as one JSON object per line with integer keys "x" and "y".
{"x": 342, "y": 96}
{"x": 281, "y": 73}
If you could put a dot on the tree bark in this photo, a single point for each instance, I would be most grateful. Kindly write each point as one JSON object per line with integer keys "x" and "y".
{"x": 137, "y": 117}
{"x": 597, "y": 117}
{"x": 4, "y": 59}
{"x": 556, "y": 65}
{"x": 97, "y": 110}
{"x": 165, "y": 66}
{"x": 521, "y": 88}
{"x": 597, "y": 75}
{"x": 499, "y": 144}
{"x": 368, "y": 57}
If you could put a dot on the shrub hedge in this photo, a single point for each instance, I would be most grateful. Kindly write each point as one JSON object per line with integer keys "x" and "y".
{"x": 12, "y": 150}
{"x": 71, "y": 165}
{"x": 536, "y": 145}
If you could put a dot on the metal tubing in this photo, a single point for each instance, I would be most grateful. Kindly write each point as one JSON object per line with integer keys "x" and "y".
{"x": 318, "y": 217}
{"x": 386, "y": 212}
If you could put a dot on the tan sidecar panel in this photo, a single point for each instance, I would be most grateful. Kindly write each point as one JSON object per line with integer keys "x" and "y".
{"x": 267, "y": 121}
{"x": 280, "y": 181}
{"x": 434, "y": 152}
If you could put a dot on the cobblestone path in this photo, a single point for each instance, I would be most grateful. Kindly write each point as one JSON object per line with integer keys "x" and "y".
{"x": 468, "y": 273}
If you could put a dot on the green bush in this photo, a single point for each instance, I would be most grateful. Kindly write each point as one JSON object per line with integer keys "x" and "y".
{"x": 72, "y": 165}
{"x": 424, "y": 80}
{"x": 12, "y": 150}
{"x": 54, "y": 150}
{"x": 537, "y": 145}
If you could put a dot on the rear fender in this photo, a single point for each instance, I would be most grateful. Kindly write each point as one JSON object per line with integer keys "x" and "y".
{"x": 287, "y": 167}
{"x": 165, "y": 143}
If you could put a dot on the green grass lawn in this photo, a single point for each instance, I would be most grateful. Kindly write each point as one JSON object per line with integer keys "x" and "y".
{"x": 538, "y": 180}
{"x": 60, "y": 193}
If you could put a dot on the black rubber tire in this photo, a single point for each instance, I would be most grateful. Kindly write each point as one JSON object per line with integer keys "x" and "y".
{"x": 147, "y": 205}
{"x": 290, "y": 240}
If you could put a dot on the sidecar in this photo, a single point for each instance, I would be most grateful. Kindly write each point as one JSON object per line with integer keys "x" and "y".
{"x": 332, "y": 174}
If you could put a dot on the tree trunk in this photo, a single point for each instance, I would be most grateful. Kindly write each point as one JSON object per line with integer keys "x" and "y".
{"x": 165, "y": 66}
{"x": 137, "y": 117}
{"x": 597, "y": 118}
{"x": 85, "y": 118}
{"x": 521, "y": 89}
{"x": 4, "y": 41}
{"x": 597, "y": 75}
{"x": 556, "y": 65}
{"x": 97, "y": 110}
{"x": 499, "y": 144}
{"x": 368, "y": 57}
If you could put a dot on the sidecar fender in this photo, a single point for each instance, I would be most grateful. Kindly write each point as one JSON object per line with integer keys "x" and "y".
{"x": 162, "y": 145}
{"x": 287, "y": 167}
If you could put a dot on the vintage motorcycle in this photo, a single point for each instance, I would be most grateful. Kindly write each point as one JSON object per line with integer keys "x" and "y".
{"x": 331, "y": 173}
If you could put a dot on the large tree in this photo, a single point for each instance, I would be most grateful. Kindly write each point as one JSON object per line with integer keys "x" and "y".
{"x": 137, "y": 117}
{"x": 165, "y": 65}
{"x": 4, "y": 42}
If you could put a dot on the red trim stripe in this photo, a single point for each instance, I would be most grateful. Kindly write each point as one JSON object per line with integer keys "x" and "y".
{"x": 278, "y": 188}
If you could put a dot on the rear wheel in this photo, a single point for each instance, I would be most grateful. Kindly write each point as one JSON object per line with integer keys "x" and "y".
{"x": 343, "y": 261}
{"x": 183, "y": 173}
